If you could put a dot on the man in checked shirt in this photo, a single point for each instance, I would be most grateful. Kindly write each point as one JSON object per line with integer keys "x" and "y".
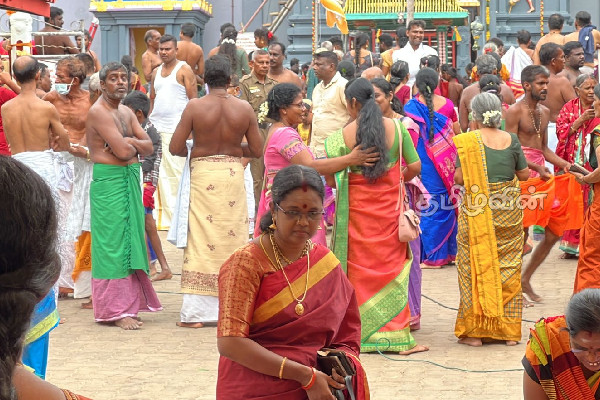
{"x": 140, "y": 105}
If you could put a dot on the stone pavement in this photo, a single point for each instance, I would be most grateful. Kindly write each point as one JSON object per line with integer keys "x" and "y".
{"x": 162, "y": 361}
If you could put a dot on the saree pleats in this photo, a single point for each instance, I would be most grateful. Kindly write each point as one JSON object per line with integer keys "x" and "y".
{"x": 378, "y": 263}
{"x": 490, "y": 244}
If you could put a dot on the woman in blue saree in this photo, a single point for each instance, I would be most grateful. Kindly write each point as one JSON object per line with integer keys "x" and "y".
{"x": 437, "y": 122}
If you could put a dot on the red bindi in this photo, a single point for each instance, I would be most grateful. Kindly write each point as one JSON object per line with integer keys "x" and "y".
{"x": 303, "y": 205}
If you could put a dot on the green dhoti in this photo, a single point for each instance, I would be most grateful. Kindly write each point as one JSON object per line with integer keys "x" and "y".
{"x": 117, "y": 220}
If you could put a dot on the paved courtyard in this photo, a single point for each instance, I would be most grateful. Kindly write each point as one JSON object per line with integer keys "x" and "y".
{"x": 162, "y": 361}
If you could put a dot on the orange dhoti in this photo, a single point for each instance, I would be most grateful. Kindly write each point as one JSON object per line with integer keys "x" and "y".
{"x": 82, "y": 273}
{"x": 556, "y": 204}
{"x": 588, "y": 268}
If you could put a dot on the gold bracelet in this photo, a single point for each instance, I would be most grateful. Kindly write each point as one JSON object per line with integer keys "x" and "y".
{"x": 87, "y": 155}
{"x": 281, "y": 368}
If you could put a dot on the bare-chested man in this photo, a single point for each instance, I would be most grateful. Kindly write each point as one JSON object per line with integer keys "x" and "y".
{"x": 574, "y": 59}
{"x": 276, "y": 70}
{"x": 44, "y": 84}
{"x": 150, "y": 59}
{"x": 70, "y": 100}
{"x": 58, "y": 44}
{"x": 190, "y": 52}
{"x": 590, "y": 36}
{"x": 119, "y": 259}
{"x": 529, "y": 120}
{"x": 486, "y": 64}
{"x": 218, "y": 122}
{"x": 72, "y": 104}
{"x": 560, "y": 89}
{"x": 33, "y": 130}
{"x": 26, "y": 134}
{"x": 555, "y": 25}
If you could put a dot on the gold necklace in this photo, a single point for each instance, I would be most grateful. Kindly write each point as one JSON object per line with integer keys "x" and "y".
{"x": 265, "y": 251}
{"x": 281, "y": 255}
{"x": 299, "y": 309}
{"x": 539, "y": 127}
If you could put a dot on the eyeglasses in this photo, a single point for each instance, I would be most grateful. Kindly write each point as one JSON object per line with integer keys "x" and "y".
{"x": 585, "y": 352}
{"x": 301, "y": 105}
{"x": 310, "y": 216}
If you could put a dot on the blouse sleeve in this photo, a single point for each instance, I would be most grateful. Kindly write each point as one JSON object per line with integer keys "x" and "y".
{"x": 518, "y": 151}
{"x": 290, "y": 143}
{"x": 239, "y": 282}
{"x": 409, "y": 153}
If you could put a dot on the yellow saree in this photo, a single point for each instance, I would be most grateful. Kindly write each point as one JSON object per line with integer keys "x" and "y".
{"x": 490, "y": 242}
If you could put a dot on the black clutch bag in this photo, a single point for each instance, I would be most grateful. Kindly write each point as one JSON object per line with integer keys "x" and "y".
{"x": 578, "y": 168}
{"x": 330, "y": 359}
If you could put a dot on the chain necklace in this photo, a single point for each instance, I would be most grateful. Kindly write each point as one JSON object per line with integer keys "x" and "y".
{"x": 537, "y": 129}
{"x": 299, "y": 309}
{"x": 265, "y": 251}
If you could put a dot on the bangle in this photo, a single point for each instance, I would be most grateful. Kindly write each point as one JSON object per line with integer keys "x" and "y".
{"x": 281, "y": 368}
{"x": 87, "y": 155}
{"x": 312, "y": 380}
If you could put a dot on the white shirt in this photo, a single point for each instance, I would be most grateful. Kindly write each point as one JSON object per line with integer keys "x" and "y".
{"x": 413, "y": 58}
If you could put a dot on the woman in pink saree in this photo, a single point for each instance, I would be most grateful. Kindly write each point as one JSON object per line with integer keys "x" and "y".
{"x": 285, "y": 147}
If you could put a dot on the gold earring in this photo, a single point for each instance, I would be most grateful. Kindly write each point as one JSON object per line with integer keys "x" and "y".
{"x": 273, "y": 226}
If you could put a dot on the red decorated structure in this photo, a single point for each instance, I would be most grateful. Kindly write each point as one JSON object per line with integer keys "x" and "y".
{"x": 39, "y": 7}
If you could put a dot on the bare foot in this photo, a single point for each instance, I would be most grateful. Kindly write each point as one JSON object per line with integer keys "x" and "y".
{"x": 427, "y": 266}
{"x": 88, "y": 305}
{"x": 62, "y": 321}
{"x": 194, "y": 325}
{"x": 165, "y": 274}
{"x": 511, "y": 343}
{"x": 152, "y": 271}
{"x": 128, "y": 324}
{"x": 569, "y": 256}
{"x": 532, "y": 9}
{"x": 417, "y": 349}
{"x": 471, "y": 341}
{"x": 63, "y": 293}
{"x": 528, "y": 290}
{"x": 527, "y": 303}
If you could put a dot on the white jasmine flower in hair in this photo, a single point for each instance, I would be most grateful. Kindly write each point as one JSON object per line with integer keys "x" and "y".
{"x": 490, "y": 114}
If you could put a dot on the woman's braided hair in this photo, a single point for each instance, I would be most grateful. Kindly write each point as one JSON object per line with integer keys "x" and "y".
{"x": 427, "y": 81}
{"x": 29, "y": 263}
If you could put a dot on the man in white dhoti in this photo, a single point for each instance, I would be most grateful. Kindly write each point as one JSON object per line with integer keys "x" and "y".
{"x": 173, "y": 85}
{"x": 218, "y": 215}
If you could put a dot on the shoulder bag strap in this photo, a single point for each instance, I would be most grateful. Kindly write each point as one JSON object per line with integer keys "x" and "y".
{"x": 400, "y": 203}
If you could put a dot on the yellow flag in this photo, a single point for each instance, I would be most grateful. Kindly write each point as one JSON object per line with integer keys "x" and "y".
{"x": 335, "y": 15}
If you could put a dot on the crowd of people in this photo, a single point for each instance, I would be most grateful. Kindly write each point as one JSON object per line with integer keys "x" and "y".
{"x": 403, "y": 162}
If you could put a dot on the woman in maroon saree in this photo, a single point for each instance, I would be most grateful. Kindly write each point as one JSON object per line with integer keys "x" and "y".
{"x": 281, "y": 299}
